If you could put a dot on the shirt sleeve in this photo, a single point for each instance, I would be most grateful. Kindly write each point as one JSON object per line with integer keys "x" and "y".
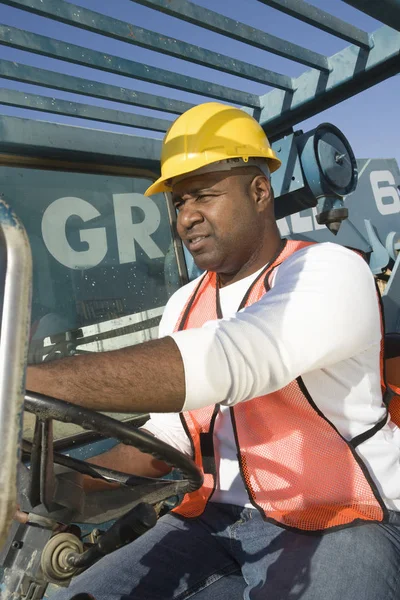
{"x": 322, "y": 309}
{"x": 168, "y": 428}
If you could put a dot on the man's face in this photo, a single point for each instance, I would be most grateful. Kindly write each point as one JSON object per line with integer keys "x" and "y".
{"x": 219, "y": 220}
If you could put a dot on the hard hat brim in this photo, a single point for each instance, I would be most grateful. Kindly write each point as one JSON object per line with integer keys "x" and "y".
{"x": 160, "y": 185}
{"x": 157, "y": 187}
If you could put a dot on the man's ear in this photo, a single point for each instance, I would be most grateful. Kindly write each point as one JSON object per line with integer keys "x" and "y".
{"x": 262, "y": 192}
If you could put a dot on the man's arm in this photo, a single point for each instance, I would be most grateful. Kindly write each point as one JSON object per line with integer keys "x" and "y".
{"x": 166, "y": 427}
{"x": 148, "y": 377}
{"x": 322, "y": 310}
{"x": 128, "y": 460}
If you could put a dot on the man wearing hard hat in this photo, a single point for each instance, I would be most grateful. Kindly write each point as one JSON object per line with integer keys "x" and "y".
{"x": 267, "y": 372}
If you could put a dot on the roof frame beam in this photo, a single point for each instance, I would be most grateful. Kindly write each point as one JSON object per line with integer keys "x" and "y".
{"x": 323, "y": 20}
{"x": 14, "y": 71}
{"x": 95, "y": 147}
{"x": 213, "y": 21}
{"x": 84, "y": 111}
{"x": 89, "y": 20}
{"x": 45, "y": 46}
{"x": 353, "y": 70}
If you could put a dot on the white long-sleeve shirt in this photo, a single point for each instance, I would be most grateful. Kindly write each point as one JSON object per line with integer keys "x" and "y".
{"x": 320, "y": 320}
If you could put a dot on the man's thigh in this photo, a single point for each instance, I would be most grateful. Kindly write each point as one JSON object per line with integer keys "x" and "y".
{"x": 360, "y": 562}
{"x": 174, "y": 560}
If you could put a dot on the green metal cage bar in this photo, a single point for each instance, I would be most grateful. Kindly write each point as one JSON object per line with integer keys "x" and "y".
{"x": 370, "y": 58}
{"x": 71, "y": 14}
{"x": 86, "y": 87}
{"x": 78, "y": 55}
{"x": 84, "y": 111}
{"x": 191, "y": 12}
{"x": 322, "y": 20}
{"x": 353, "y": 70}
{"x": 211, "y": 20}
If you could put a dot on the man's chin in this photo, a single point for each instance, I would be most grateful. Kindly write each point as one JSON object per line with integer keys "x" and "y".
{"x": 206, "y": 263}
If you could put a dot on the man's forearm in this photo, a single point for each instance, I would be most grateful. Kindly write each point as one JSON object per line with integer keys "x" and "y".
{"x": 128, "y": 460}
{"x": 142, "y": 378}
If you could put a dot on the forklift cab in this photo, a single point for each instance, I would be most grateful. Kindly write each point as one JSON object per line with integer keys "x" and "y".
{"x": 106, "y": 259}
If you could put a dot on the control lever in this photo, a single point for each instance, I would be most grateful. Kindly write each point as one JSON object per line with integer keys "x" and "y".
{"x": 42, "y": 479}
{"x": 128, "y": 528}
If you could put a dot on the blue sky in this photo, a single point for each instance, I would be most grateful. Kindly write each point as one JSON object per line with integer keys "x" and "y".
{"x": 370, "y": 120}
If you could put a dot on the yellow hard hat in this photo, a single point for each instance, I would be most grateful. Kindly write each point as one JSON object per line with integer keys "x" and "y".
{"x": 206, "y": 134}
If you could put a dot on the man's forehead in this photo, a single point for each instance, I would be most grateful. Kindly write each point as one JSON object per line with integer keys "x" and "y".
{"x": 199, "y": 182}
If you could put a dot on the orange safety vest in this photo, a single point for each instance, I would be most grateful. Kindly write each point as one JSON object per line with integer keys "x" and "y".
{"x": 298, "y": 470}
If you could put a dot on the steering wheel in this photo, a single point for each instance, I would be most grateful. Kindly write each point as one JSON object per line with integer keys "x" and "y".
{"x": 46, "y": 409}
{"x": 150, "y": 490}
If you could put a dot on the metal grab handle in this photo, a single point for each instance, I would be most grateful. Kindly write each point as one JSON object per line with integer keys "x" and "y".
{"x": 15, "y": 300}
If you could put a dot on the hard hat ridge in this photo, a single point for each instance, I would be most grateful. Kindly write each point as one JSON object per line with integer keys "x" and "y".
{"x": 224, "y": 165}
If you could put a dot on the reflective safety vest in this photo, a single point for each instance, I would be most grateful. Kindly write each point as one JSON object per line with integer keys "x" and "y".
{"x": 298, "y": 469}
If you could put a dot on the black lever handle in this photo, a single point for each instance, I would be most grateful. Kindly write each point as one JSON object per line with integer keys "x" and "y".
{"x": 125, "y": 530}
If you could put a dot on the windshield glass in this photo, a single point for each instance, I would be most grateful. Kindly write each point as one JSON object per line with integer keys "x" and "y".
{"x": 104, "y": 259}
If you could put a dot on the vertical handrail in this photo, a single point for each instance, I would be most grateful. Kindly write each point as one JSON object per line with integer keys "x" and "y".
{"x": 15, "y": 299}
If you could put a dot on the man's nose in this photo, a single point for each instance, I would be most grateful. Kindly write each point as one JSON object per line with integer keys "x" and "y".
{"x": 189, "y": 215}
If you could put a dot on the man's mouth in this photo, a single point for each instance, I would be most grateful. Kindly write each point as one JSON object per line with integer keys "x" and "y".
{"x": 196, "y": 242}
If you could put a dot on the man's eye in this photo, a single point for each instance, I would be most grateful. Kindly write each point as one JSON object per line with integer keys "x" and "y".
{"x": 178, "y": 205}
